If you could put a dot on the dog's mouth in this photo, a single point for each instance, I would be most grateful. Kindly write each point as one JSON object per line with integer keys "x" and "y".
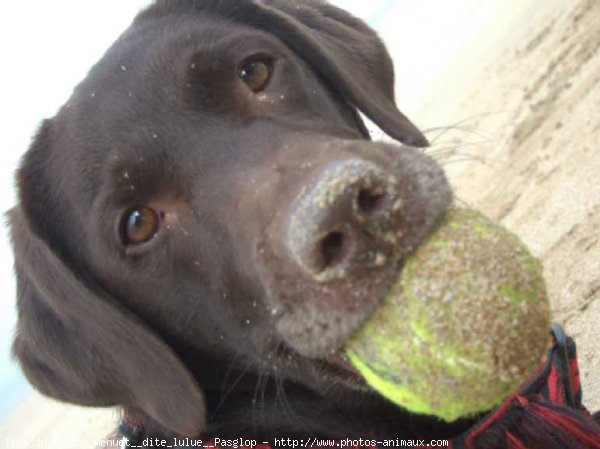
{"x": 339, "y": 364}
{"x": 334, "y": 367}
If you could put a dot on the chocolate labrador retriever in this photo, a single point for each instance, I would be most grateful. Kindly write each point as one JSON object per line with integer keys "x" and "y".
{"x": 205, "y": 222}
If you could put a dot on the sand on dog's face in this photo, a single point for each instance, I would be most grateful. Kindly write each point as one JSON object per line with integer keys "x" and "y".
{"x": 465, "y": 325}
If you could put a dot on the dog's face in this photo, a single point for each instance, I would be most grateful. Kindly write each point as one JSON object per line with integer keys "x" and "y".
{"x": 205, "y": 223}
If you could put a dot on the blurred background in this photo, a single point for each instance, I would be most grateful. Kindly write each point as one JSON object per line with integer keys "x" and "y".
{"x": 445, "y": 54}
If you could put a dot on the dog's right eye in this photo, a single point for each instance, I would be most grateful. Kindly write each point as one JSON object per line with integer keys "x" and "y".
{"x": 139, "y": 225}
{"x": 256, "y": 73}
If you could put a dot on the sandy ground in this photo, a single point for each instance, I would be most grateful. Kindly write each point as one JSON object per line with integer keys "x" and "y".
{"x": 525, "y": 153}
{"x": 42, "y": 423}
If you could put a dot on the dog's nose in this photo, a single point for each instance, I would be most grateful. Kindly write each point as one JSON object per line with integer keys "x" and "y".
{"x": 351, "y": 216}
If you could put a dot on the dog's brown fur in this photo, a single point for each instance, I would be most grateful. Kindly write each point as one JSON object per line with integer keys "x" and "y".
{"x": 214, "y": 321}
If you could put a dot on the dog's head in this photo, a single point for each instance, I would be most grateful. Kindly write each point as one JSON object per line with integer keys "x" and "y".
{"x": 207, "y": 214}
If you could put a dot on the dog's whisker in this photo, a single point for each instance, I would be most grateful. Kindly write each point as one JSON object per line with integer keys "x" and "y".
{"x": 451, "y": 143}
{"x": 464, "y": 160}
{"x": 445, "y": 156}
{"x": 258, "y": 399}
{"x": 254, "y": 398}
{"x": 446, "y": 129}
{"x": 463, "y": 129}
{"x": 450, "y": 157}
{"x": 456, "y": 126}
{"x": 450, "y": 152}
{"x": 235, "y": 382}
{"x": 462, "y": 157}
{"x": 281, "y": 396}
{"x": 457, "y": 145}
{"x": 265, "y": 384}
{"x": 444, "y": 159}
{"x": 263, "y": 373}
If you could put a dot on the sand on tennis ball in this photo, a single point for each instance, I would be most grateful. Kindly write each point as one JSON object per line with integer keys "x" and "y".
{"x": 466, "y": 323}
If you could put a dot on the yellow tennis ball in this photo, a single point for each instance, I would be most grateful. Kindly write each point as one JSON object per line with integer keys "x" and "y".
{"x": 466, "y": 323}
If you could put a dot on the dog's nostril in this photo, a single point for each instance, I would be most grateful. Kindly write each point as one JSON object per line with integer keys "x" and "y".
{"x": 345, "y": 221}
{"x": 369, "y": 201}
{"x": 332, "y": 249}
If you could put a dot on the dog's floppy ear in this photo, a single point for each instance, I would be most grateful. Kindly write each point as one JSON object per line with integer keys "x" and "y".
{"x": 344, "y": 50}
{"x": 74, "y": 341}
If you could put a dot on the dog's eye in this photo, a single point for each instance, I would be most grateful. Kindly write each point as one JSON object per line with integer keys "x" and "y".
{"x": 256, "y": 73}
{"x": 140, "y": 225}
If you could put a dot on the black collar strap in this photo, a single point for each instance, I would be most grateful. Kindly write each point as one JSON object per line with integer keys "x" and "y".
{"x": 546, "y": 413}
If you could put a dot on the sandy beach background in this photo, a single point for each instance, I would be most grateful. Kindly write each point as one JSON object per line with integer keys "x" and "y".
{"x": 518, "y": 83}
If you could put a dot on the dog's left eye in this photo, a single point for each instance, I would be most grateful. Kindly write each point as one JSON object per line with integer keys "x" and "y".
{"x": 139, "y": 225}
{"x": 256, "y": 73}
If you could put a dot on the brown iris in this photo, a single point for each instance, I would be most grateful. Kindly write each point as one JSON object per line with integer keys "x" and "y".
{"x": 140, "y": 224}
{"x": 256, "y": 73}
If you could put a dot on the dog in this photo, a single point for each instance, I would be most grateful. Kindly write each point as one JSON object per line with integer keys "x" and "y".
{"x": 206, "y": 222}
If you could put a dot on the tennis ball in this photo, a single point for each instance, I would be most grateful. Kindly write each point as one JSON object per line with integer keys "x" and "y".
{"x": 466, "y": 323}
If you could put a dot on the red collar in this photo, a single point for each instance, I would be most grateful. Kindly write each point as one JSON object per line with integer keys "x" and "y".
{"x": 549, "y": 400}
{"x": 545, "y": 413}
